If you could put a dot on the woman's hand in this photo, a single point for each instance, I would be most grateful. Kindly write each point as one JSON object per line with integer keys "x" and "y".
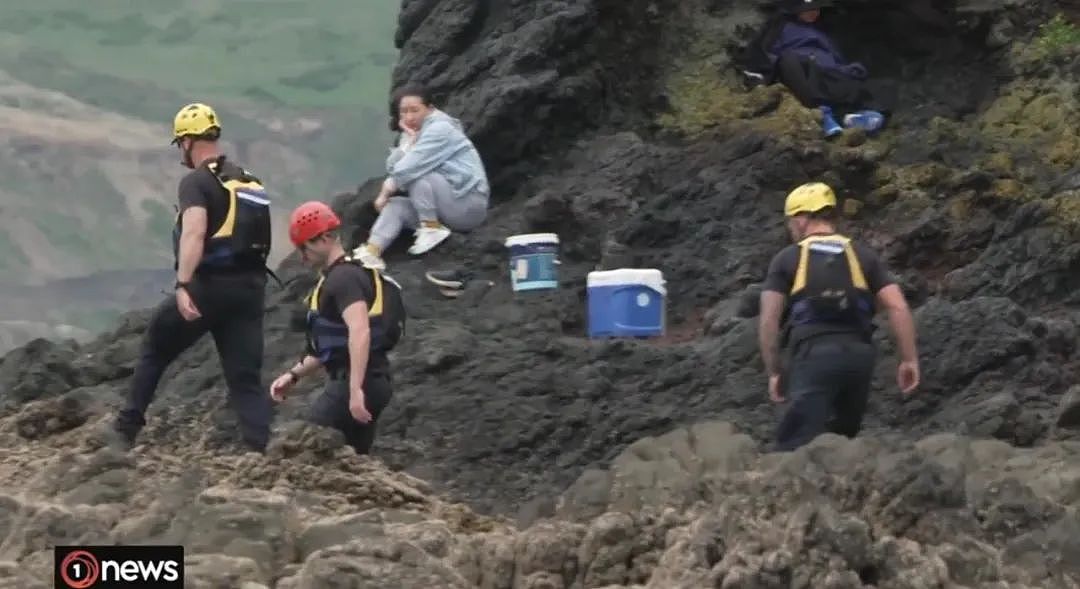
{"x": 380, "y": 201}
{"x": 388, "y": 188}
{"x": 410, "y": 135}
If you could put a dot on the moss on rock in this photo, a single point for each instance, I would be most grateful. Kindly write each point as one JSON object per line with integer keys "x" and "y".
{"x": 1009, "y": 189}
{"x": 923, "y": 175}
{"x": 1066, "y": 209}
{"x": 1042, "y": 119}
{"x": 1000, "y": 164}
{"x": 1057, "y": 36}
{"x": 701, "y": 98}
{"x": 961, "y": 207}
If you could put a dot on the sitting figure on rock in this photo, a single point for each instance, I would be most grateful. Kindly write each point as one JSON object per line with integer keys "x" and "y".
{"x": 355, "y": 317}
{"x": 441, "y": 172}
{"x": 795, "y": 51}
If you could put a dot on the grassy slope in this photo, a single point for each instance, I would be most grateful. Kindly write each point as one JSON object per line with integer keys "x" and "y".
{"x": 144, "y": 59}
{"x": 256, "y": 61}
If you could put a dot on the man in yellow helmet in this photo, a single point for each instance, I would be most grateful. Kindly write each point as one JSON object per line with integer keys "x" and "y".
{"x": 825, "y": 289}
{"x": 220, "y": 242}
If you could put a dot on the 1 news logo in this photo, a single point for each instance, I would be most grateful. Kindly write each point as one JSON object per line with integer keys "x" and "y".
{"x": 108, "y": 567}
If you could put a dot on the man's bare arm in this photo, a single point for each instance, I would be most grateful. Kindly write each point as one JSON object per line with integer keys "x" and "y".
{"x": 191, "y": 242}
{"x": 305, "y": 366}
{"x": 892, "y": 300}
{"x": 772, "y": 306}
{"x": 356, "y": 318}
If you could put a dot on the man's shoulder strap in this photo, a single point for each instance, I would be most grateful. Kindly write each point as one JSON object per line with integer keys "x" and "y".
{"x": 830, "y": 244}
{"x": 243, "y": 176}
{"x": 377, "y": 280}
{"x": 312, "y": 298}
{"x": 830, "y": 238}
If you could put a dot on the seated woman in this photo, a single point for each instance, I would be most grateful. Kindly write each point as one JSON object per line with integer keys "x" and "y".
{"x": 441, "y": 172}
{"x": 803, "y": 57}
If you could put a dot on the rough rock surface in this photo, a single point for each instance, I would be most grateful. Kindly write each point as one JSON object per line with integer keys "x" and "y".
{"x": 621, "y": 126}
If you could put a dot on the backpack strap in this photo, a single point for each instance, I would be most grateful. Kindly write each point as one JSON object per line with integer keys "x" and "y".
{"x": 271, "y": 273}
{"x": 376, "y": 307}
{"x": 858, "y": 279}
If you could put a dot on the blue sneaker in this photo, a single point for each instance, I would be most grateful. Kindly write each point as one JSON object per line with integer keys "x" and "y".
{"x": 829, "y": 124}
{"x": 867, "y": 120}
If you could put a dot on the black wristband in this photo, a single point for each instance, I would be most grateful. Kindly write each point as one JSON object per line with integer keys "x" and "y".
{"x": 180, "y": 285}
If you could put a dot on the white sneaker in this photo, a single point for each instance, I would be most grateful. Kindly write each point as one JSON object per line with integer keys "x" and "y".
{"x": 427, "y": 238}
{"x": 367, "y": 258}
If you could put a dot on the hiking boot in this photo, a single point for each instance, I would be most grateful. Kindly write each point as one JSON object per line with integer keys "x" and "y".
{"x": 867, "y": 120}
{"x": 427, "y": 238}
{"x": 828, "y": 124}
{"x": 116, "y": 437}
{"x": 369, "y": 258}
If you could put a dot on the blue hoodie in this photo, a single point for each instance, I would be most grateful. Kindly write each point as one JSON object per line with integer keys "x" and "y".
{"x": 441, "y": 147}
{"x": 810, "y": 42}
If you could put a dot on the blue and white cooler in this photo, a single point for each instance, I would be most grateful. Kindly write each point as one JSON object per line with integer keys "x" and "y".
{"x": 628, "y": 302}
{"x": 533, "y": 261}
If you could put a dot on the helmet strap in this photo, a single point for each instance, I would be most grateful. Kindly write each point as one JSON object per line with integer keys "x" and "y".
{"x": 186, "y": 153}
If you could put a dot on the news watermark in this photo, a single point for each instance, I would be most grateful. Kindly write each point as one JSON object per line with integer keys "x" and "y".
{"x": 109, "y": 567}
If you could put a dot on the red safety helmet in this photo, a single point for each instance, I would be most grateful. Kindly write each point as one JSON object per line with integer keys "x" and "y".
{"x": 310, "y": 220}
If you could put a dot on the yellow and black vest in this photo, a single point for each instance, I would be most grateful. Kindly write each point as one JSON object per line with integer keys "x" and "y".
{"x": 242, "y": 241}
{"x": 829, "y": 293}
{"x": 328, "y": 340}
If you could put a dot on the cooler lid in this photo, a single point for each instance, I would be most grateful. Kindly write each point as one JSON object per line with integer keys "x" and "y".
{"x": 649, "y": 277}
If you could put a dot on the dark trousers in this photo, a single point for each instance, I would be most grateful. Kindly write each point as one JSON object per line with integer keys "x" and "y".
{"x": 827, "y": 385}
{"x": 232, "y": 311}
{"x": 815, "y": 87}
{"x": 331, "y": 409}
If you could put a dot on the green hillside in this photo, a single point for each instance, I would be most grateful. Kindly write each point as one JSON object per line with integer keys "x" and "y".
{"x": 87, "y": 95}
{"x": 330, "y": 58}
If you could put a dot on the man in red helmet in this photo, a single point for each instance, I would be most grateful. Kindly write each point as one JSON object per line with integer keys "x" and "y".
{"x": 355, "y": 316}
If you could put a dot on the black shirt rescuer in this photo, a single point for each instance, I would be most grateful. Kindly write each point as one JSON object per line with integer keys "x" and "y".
{"x": 355, "y": 317}
{"x": 823, "y": 291}
{"x": 221, "y": 241}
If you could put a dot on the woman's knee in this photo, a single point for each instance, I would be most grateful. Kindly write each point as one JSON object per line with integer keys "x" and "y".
{"x": 398, "y": 206}
{"x": 422, "y": 185}
{"x": 433, "y": 183}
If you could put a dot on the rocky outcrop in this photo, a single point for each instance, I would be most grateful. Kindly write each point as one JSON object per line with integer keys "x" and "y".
{"x": 621, "y": 126}
{"x": 700, "y": 506}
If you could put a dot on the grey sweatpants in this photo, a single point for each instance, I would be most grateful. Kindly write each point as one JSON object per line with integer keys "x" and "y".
{"x": 430, "y": 199}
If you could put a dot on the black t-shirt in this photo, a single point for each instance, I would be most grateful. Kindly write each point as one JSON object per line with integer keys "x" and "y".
{"x": 346, "y": 284}
{"x": 781, "y": 275}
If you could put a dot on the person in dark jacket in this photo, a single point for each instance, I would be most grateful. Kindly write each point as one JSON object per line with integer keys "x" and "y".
{"x": 795, "y": 51}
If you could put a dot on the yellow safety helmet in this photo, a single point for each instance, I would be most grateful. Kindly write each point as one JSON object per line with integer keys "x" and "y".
{"x": 194, "y": 119}
{"x": 809, "y": 198}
